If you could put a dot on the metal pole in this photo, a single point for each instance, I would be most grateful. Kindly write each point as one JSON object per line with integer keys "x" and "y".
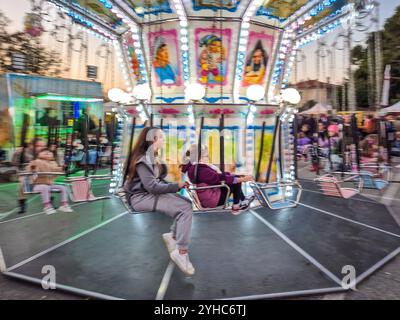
{"x": 98, "y": 146}
{"x": 221, "y": 143}
{"x": 198, "y": 150}
{"x": 261, "y": 151}
{"x": 152, "y": 120}
{"x": 86, "y": 142}
{"x": 130, "y": 150}
{"x": 356, "y": 140}
{"x": 112, "y": 135}
{"x": 295, "y": 130}
{"x": 271, "y": 155}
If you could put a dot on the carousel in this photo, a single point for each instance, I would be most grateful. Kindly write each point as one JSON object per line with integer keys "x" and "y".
{"x": 214, "y": 73}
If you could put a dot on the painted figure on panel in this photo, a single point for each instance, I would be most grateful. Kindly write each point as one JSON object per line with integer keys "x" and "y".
{"x": 161, "y": 62}
{"x": 256, "y": 65}
{"x": 212, "y": 57}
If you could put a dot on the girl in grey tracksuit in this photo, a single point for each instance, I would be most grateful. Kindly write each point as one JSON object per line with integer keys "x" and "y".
{"x": 149, "y": 192}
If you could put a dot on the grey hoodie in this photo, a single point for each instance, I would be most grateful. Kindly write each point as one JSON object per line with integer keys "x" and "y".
{"x": 149, "y": 180}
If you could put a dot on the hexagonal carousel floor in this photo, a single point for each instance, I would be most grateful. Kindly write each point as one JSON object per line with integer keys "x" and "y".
{"x": 103, "y": 252}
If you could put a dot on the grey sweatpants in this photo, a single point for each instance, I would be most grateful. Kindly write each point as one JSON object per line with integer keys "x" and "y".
{"x": 172, "y": 205}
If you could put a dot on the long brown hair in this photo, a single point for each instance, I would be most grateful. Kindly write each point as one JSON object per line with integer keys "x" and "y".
{"x": 143, "y": 143}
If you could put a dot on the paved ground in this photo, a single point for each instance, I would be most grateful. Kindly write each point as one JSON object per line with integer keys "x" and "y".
{"x": 384, "y": 284}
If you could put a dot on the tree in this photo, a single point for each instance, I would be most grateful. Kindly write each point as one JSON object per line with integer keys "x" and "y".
{"x": 363, "y": 77}
{"x": 38, "y": 60}
{"x": 308, "y": 105}
{"x": 391, "y": 52}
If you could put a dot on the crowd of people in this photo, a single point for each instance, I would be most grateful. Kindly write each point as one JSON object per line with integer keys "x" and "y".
{"x": 330, "y": 142}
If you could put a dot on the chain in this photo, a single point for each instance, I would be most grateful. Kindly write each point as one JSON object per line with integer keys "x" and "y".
{"x": 333, "y": 73}
{"x": 152, "y": 44}
{"x": 371, "y": 78}
{"x": 221, "y": 53}
{"x": 112, "y": 68}
{"x": 69, "y": 50}
{"x": 160, "y": 30}
{"x": 209, "y": 61}
{"x": 86, "y": 48}
{"x": 107, "y": 62}
{"x": 378, "y": 59}
{"x": 318, "y": 70}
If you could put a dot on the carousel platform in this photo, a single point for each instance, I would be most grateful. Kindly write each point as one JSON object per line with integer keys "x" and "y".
{"x": 259, "y": 254}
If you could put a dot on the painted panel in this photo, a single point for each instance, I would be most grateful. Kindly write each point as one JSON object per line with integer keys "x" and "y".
{"x": 165, "y": 59}
{"x": 322, "y": 13}
{"x": 229, "y": 5}
{"x": 149, "y": 7}
{"x": 258, "y": 58}
{"x": 280, "y": 9}
{"x": 96, "y": 8}
{"x": 213, "y": 55}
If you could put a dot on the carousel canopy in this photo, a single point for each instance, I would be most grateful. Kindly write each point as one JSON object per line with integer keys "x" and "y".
{"x": 319, "y": 108}
{"x": 394, "y": 108}
{"x": 225, "y": 45}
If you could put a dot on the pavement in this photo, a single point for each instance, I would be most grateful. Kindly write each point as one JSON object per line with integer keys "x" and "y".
{"x": 382, "y": 285}
{"x": 385, "y": 283}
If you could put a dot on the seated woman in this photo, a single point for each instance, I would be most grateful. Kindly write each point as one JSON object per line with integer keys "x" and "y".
{"x": 45, "y": 184}
{"x": 210, "y": 175}
{"x": 149, "y": 192}
{"x": 369, "y": 148}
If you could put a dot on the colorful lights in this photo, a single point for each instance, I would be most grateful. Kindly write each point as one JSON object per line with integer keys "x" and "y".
{"x": 136, "y": 37}
{"x": 54, "y": 97}
{"x": 184, "y": 40}
{"x": 241, "y": 54}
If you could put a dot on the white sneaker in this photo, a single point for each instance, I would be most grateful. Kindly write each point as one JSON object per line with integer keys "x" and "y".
{"x": 65, "y": 208}
{"x": 49, "y": 210}
{"x": 169, "y": 241}
{"x": 183, "y": 262}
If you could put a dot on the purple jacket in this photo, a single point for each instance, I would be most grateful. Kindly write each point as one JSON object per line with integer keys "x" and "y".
{"x": 303, "y": 141}
{"x": 206, "y": 176}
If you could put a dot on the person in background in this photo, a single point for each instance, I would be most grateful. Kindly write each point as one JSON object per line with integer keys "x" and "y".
{"x": 335, "y": 151}
{"x": 397, "y": 124}
{"x": 21, "y": 158}
{"x": 45, "y": 183}
{"x": 395, "y": 152}
{"x": 369, "y": 126}
{"x": 369, "y": 146}
{"x": 303, "y": 145}
{"x": 34, "y": 147}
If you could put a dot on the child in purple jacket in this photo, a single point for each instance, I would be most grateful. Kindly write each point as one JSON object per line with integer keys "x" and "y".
{"x": 304, "y": 143}
{"x": 210, "y": 175}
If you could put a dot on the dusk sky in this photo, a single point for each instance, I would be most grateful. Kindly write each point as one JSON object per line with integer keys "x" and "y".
{"x": 16, "y": 9}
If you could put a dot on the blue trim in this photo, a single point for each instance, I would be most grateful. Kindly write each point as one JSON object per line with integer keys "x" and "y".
{"x": 162, "y": 8}
{"x": 216, "y": 127}
{"x": 197, "y": 7}
{"x": 170, "y": 100}
{"x": 214, "y": 100}
{"x": 268, "y": 13}
{"x": 182, "y": 127}
{"x": 253, "y": 127}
